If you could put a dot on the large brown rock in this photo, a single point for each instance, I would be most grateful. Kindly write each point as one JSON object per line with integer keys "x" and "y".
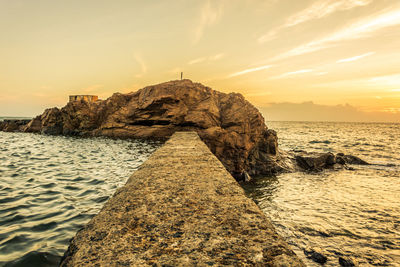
{"x": 233, "y": 129}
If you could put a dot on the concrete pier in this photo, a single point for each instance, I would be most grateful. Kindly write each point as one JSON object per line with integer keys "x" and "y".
{"x": 181, "y": 208}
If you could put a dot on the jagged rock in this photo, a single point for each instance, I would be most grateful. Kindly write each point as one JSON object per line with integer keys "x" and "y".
{"x": 232, "y": 128}
{"x": 322, "y": 161}
{"x": 350, "y": 159}
{"x": 316, "y": 255}
{"x": 319, "y": 161}
{"x": 12, "y": 125}
{"x": 346, "y": 262}
{"x": 246, "y": 177}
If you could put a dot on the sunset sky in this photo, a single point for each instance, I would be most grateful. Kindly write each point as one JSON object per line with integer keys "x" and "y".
{"x": 341, "y": 57}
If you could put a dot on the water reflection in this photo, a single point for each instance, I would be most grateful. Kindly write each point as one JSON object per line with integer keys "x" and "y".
{"x": 343, "y": 214}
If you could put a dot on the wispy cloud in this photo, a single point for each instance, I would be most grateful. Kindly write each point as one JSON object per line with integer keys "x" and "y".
{"x": 206, "y": 59}
{"x": 317, "y": 10}
{"x": 197, "y": 60}
{"x": 316, "y": 112}
{"x": 387, "y": 80}
{"x": 217, "y": 56}
{"x": 210, "y": 13}
{"x": 292, "y": 73}
{"x": 262, "y": 93}
{"x": 355, "y": 58}
{"x": 322, "y": 9}
{"x": 360, "y": 29}
{"x": 141, "y": 63}
{"x": 249, "y": 70}
{"x": 392, "y": 110}
{"x": 321, "y": 73}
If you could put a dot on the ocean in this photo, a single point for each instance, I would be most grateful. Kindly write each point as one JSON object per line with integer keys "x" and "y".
{"x": 50, "y": 186}
{"x": 353, "y": 214}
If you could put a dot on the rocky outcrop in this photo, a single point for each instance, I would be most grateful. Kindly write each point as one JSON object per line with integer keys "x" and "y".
{"x": 232, "y": 128}
{"x": 319, "y": 161}
{"x": 13, "y": 125}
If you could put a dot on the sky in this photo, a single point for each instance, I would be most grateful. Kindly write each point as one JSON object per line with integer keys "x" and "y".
{"x": 295, "y": 60}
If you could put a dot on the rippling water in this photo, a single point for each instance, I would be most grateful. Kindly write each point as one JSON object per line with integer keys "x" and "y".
{"x": 50, "y": 186}
{"x": 350, "y": 214}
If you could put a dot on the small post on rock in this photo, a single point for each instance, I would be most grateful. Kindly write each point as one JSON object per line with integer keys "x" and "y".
{"x": 181, "y": 75}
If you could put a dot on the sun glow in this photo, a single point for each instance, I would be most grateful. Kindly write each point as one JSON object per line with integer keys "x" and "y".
{"x": 330, "y": 52}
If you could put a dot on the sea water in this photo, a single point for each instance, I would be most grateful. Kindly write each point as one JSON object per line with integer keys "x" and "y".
{"x": 353, "y": 214}
{"x": 50, "y": 186}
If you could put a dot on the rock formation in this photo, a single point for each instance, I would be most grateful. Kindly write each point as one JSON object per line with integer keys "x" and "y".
{"x": 232, "y": 128}
{"x": 316, "y": 162}
{"x": 13, "y": 125}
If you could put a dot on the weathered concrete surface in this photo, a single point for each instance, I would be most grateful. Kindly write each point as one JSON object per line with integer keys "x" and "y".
{"x": 181, "y": 208}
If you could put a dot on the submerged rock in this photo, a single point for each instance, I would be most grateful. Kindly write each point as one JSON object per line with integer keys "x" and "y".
{"x": 232, "y": 128}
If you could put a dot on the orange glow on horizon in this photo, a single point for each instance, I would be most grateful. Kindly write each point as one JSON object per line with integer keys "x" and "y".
{"x": 330, "y": 52}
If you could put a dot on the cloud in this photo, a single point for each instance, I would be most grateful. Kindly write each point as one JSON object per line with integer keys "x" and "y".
{"x": 322, "y": 9}
{"x": 204, "y": 59}
{"x": 264, "y": 93}
{"x": 362, "y": 28}
{"x": 210, "y": 13}
{"x": 317, "y": 10}
{"x": 387, "y": 80}
{"x": 284, "y": 75}
{"x": 249, "y": 70}
{"x": 355, "y": 58}
{"x": 197, "y": 60}
{"x": 217, "y": 56}
{"x": 309, "y": 111}
{"x": 392, "y": 110}
{"x": 321, "y": 73}
{"x": 142, "y": 65}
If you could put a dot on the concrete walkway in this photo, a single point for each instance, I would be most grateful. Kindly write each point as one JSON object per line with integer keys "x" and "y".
{"x": 181, "y": 208}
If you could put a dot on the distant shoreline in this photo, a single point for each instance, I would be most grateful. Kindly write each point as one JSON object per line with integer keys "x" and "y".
{"x": 14, "y": 118}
